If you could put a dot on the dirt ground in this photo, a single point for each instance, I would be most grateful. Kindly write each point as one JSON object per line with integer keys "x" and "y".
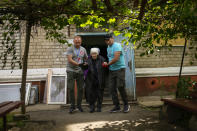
{"x": 138, "y": 119}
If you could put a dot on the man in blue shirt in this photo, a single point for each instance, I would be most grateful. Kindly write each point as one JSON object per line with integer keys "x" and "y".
{"x": 117, "y": 73}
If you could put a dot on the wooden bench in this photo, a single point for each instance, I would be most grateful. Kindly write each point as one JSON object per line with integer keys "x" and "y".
{"x": 7, "y": 107}
{"x": 185, "y": 104}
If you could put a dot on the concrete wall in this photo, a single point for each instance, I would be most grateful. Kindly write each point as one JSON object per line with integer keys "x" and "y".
{"x": 161, "y": 81}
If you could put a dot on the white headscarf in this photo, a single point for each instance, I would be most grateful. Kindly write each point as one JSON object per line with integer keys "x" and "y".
{"x": 94, "y": 50}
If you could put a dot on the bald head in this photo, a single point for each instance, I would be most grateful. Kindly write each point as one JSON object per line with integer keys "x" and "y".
{"x": 77, "y": 41}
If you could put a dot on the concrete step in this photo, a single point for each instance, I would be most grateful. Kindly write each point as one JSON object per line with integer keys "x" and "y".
{"x": 152, "y": 101}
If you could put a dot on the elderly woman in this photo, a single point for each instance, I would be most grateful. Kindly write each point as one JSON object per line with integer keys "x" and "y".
{"x": 95, "y": 80}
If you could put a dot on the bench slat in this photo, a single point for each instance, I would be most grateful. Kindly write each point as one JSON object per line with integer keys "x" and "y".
{"x": 8, "y": 108}
{"x": 185, "y": 104}
{"x": 5, "y": 103}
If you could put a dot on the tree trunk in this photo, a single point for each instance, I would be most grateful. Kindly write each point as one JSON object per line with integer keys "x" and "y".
{"x": 24, "y": 67}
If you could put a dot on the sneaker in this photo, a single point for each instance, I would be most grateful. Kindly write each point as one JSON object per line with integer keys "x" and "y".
{"x": 71, "y": 110}
{"x": 126, "y": 108}
{"x": 115, "y": 109}
{"x": 80, "y": 109}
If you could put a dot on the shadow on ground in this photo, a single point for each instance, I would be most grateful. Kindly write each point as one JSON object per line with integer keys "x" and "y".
{"x": 138, "y": 119}
{"x": 148, "y": 124}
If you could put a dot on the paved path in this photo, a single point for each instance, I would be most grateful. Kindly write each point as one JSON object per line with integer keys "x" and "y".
{"x": 138, "y": 119}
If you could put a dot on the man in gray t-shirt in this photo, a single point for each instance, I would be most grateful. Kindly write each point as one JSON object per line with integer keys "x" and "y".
{"x": 76, "y": 55}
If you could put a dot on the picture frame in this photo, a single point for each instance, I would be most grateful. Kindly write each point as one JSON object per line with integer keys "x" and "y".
{"x": 11, "y": 92}
{"x": 57, "y": 89}
{"x": 27, "y": 95}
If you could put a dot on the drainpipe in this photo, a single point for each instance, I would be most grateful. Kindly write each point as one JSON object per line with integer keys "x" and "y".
{"x": 133, "y": 71}
{"x": 182, "y": 58}
{"x": 183, "y": 55}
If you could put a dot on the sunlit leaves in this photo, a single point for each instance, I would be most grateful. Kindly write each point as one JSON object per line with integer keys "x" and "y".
{"x": 162, "y": 22}
{"x": 116, "y": 33}
{"x": 112, "y": 20}
{"x": 96, "y": 25}
{"x": 128, "y": 35}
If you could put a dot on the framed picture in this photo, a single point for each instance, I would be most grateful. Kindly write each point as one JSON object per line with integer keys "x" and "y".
{"x": 11, "y": 92}
{"x": 27, "y": 95}
{"x": 57, "y": 90}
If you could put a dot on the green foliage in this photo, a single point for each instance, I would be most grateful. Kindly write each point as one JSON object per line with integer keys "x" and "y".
{"x": 159, "y": 21}
{"x": 9, "y": 118}
{"x": 10, "y": 29}
{"x": 54, "y": 16}
{"x": 183, "y": 86}
{"x": 162, "y": 21}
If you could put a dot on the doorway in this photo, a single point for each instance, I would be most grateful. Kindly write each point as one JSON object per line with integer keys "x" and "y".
{"x": 91, "y": 40}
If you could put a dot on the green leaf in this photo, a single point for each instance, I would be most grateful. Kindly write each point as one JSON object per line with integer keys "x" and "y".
{"x": 128, "y": 35}
{"x": 116, "y": 33}
{"x": 111, "y": 20}
{"x": 89, "y": 22}
{"x": 96, "y": 25}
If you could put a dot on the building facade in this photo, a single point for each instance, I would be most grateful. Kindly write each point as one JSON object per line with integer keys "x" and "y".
{"x": 152, "y": 72}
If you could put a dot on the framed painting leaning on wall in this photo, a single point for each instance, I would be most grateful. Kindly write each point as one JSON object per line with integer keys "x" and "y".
{"x": 57, "y": 90}
{"x": 11, "y": 92}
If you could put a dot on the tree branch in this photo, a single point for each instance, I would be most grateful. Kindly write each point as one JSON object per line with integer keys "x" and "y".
{"x": 109, "y": 6}
{"x": 94, "y": 5}
{"x": 142, "y": 9}
{"x": 136, "y": 3}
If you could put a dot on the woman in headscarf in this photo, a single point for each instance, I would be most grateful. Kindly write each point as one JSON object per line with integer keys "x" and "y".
{"x": 95, "y": 80}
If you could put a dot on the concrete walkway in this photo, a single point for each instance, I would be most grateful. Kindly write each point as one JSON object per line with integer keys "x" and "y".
{"x": 45, "y": 117}
{"x": 146, "y": 101}
{"x": 138, "y": 119}
{"x": 153, "y": 101}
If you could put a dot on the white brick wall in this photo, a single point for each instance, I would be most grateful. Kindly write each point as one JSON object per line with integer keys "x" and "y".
{"x": 50, "y": 54}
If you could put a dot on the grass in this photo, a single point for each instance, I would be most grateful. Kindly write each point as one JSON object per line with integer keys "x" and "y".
{"x": 9, "y": 118}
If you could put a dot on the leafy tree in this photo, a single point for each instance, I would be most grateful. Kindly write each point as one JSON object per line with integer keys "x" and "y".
{"x": 149, "y": 21}
{"x": 52, "y": 16}
{"x": 160, "y": 21}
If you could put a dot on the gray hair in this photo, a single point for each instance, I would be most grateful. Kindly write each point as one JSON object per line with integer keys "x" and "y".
{"x": 95, "y": 50}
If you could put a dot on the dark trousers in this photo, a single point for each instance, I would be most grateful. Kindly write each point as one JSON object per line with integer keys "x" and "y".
{"x": 96, "y": 95}
{"x": 117, "y": 81}
{"x": 71, "y": 77}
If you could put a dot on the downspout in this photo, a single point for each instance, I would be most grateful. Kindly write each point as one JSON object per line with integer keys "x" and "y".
{"x": 133, "y": 71}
